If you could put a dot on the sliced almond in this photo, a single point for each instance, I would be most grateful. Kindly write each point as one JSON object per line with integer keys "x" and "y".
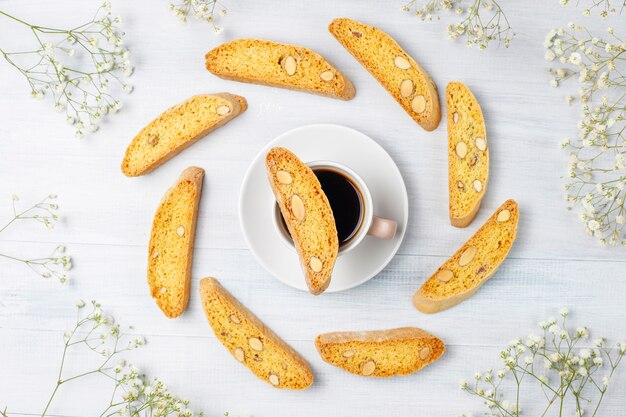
{"x": 481, "y": 144}
{"x": 467, "y": 255}
{"x": 316, "y": 264}
{"x": 255, "y": 344}
{"x": 461, "y": 149}
{"x": 283, "y": 177}
{"x": 327, "y": 75}
{"x": 368, "y": 368}
{"x": 290, "y": 65}
{"x": 425, "y": 353}
{"x": 274, "y": 380}
{"x": 445, "y": 275}
{"x": 460, "y": 184}
{"x": 239, "y": 354}
{"x": 418, "y": 104}
{"x": 455, "y": 117}
{"x": 503, "y": 216}
{"x": 297, "y": 207}
{"x": 406, "y": 88}
{"x": 234, "y": 319}
{"x": 478, "y": 186}
{"x": 180, "y": 231}
{"x": 222, "y": 110}
{"x": 153, "y": 139}
{"x": 348, "y": 353}
{"x": 402, "y": 63}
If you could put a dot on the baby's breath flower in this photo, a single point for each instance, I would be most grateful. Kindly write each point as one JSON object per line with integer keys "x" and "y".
{"x": 141, "y": 397}
{"x": 203, "y": 10}
{"x": 76, "y": 85}
{"x": 582, "y": 333}
{"x": 598, "y": 172}
{"x": 567, "y": 371}
{"x": 44, "y": 212}
{"x": 484, "y": 21}
{"x": 604, "y": 6}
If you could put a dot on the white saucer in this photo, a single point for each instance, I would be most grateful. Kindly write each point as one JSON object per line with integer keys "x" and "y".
{"x": 353, "y": 149}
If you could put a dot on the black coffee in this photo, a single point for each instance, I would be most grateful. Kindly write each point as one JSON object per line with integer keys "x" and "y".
{"x": 345, "y": 201}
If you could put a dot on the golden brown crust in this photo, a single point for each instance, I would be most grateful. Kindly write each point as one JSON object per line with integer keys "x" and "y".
{"x": 315, "y": 234}
{"x": 380, "y": 353}
{"x": 234, "y": 325}
{"x": 170, "y": 251}
{"x": 473, "y": 264}
{"x": 377, "y": 52}
{"x": 264, "y": 62}
{"x": 466, "y": 165}
{"x": 177, "y": 128}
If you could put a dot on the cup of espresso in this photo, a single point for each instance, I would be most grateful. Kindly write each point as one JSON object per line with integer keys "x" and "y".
{"x": 352, "y": 206}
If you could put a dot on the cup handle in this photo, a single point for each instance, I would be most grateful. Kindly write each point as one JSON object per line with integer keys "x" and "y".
{"x": 383, "y": 228}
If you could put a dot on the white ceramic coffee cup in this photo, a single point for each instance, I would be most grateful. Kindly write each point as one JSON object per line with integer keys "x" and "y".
{"x": 369, "y": 224}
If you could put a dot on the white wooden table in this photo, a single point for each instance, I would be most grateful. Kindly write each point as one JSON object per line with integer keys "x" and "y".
{"x": 107, "y": 216}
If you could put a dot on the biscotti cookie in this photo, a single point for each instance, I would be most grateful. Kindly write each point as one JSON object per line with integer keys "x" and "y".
{"x": 251, "y": 342}
{"x": 171, "y": 243}
{"x": 279, "y": 65}
{"x": 178, "y": 128}
{"x": 381, "y": 55}
{"x": 380, "y": 353}
{"x": 472, "y": 265}
{"x": 468, "y": 154}
{"x": 307, "y": 214}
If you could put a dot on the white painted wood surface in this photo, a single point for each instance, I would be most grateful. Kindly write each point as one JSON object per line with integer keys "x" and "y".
{"x": 107, "y": 216}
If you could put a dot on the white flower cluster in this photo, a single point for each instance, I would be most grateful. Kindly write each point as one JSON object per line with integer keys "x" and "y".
{"x": 203, "y": 10}
{"x": 430, "y": 9}
{"x": 557, "y": 362}
{"x": 604, "y": 6}
{"x": 132, "y": 394}
{"x": 57, "y": 263}
{"x": 596, "y": 168}
{"x": 149, "y": 398}
{"x": 77, "y": 67}
{"x": 483, "y": 22}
